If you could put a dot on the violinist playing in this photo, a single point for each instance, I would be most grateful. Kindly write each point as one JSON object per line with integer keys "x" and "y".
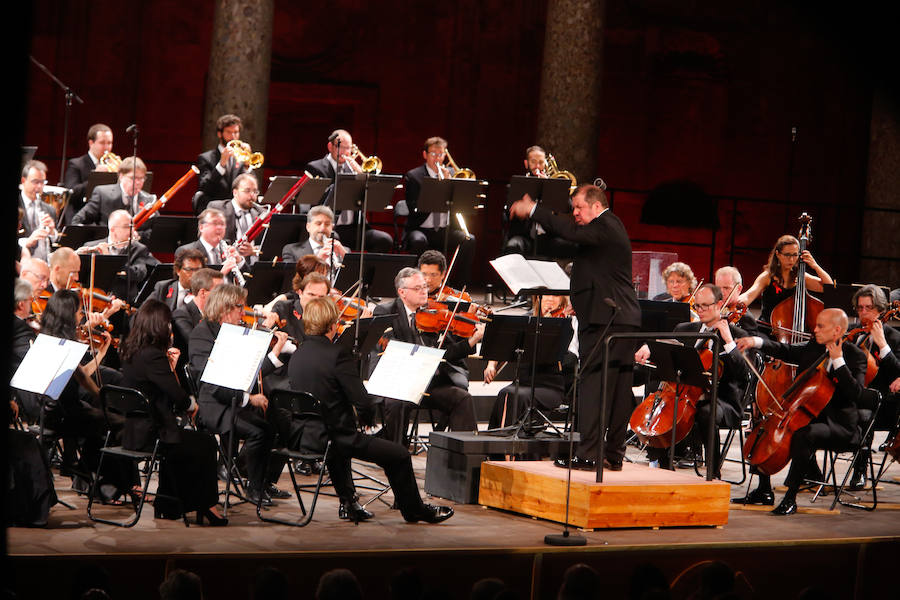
{"x": 680, "y": 283}
{"x": 710, "y": 306}
{"x": 836, "y": 426}
{"x": 729, "y": 280}
{"x": 448, "y": 392}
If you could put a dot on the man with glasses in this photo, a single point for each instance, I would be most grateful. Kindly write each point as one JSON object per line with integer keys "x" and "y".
{"x": 319, "y": 225}
{"x": 448, "y": 392}
{"x": 240, "y": 212}
{"x": 126, "y": 195}
{"x": 211, "y": 229}
{"x": 175, "y": 292}
{"x": 709, "y": 304}
{"x": 38, "y": 218}
{"x": 36, "y": 272}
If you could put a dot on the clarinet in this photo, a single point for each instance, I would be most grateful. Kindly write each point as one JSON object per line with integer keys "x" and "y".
{"x": 236, "y": 272}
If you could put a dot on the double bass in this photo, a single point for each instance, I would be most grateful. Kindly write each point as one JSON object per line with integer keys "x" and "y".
{"x": 792, "y": 320}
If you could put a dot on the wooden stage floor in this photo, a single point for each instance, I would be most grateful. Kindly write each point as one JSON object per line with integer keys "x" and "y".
{"x": 473, "y": 532}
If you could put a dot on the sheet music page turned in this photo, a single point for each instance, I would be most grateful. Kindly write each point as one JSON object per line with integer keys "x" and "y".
{"x": 518, "y": 273}
{"x": 404, "y": 371}
{"x": 48, "y": 365}
{"x": 552, "y": 274}
{"x": 236, "y": 357}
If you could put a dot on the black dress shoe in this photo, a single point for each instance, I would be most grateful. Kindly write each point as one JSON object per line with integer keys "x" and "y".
{"x": 214, "y": 519}
{"x": 788, "y": 506}
{"x": 757, "y": 496}
{"x": 254, "y": 496}
{"x": 274, "y": 492}
{"x": 430, "y": 513}
{"x": 353, "y": 511}
{"x": 611, "y": 466}
{"x": 562, "y": 463}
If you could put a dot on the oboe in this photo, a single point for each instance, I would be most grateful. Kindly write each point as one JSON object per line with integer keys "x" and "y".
{"x": 238, "y": 276}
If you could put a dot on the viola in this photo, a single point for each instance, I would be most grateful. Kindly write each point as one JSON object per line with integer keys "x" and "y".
{"x": 871, "y": 365}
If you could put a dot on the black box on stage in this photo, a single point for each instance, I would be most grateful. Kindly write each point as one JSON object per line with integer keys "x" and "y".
{"x": 453, "y": 466}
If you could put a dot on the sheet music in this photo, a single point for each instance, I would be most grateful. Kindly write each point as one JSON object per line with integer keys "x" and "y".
{"x": 48, "y": 365}
{"x": 554, "y": 277}
{"x": 404, "y": 371}
{"x": 519, "y": 273}
{"x": 236, "y": 357}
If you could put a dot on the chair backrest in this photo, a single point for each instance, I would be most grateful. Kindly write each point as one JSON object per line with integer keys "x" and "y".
{"x": 300, "y": 404}
{"x": 123, "y": 401}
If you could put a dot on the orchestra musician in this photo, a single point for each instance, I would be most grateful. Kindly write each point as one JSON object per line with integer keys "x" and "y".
{"x": 778, "y": 280}
{"x": 38, "y": 217}
{"x": 337, "y": 160}
{"x": 710, "y": 305}
{"x": 24, "y": 332}
{"x": 448, "y": 392}
{"x": 119, "y": 241}
{"x": 549, "y": 382}
{"x": 36, "y": 272}
{"x": 305, "y": 265}
{"x": 126, "y": 194}
{"x": 78, "y": 171}
{"x": 330, "y": 374}
{"x": 836, "y": 425}
{"x": 173, "y": 292}
{"x": 729, "y": 280}
{"x": 254, "y": 422}
{"x": 219, "y": 167}
{"x": 211, "y": 228}
{"x": 189, "y": 468}
{"x": 319, "y": 226}
{"x": 65, "y": 265}
{"x": 240, "y": 212}
{"x": 601, "y": 278}
{"x": 313, "y": 285}
{"x": 680, "y": 283}
{"x": 187, "y": 316}
{"x": 426, "y": 230}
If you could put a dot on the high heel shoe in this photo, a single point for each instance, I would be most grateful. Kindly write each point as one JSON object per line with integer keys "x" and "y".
{"x": 214, "y": 519}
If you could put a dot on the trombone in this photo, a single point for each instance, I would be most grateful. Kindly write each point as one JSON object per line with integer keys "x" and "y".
{"x": 457, "y": 172}
{"x": 370, "y": 164}
{"x": 243, "y": 153}
{"x": 554, "y": 172}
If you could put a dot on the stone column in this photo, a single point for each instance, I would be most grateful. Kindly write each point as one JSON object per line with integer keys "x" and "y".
{"x": 880, "y": 252}
{"x": 568, "y": 112}
{"x": 239, "y": 67}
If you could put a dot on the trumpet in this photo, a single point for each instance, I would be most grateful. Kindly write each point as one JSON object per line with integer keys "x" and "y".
{"x": 243, "y": 153}
{"x": 457, "y": 172}
{"x": 554, "y": 172}
{"x": 111, "y": 161}
{"x": 370, "y": 164}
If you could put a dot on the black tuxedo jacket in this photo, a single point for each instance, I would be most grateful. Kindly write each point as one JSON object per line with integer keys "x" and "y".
{"x": 22, "y": 336}
{"x": 77, "y": 173}
{"x": 840, "y": 413}
{"x": 139, "y": 263}
{"x": 227, "y": 208}
{"x": 149, "y": 372}
{"x": 184, "y": 320}
{"x": 293, "y": 252}
{"x": 104, "y": 200}
{"x": 196, "y": 245}
{"x": 886, "y": 373}
{"x": 329, "y": 373}
{"x": 26, "y": 225}
{"x": 166, "y": 291}
{"x": 412, "y": 182}
{"x": 212, "y": 185}
{"x": 292, "y": 313}
{"x": 452, "y": 370}
{"x": 602, "y": 267}
{"x": 733, "y": 373}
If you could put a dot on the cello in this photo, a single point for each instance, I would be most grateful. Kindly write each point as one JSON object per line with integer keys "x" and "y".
{"x": 792, "y": 320}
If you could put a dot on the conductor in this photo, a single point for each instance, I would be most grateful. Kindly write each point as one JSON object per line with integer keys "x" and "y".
{"x": 602, "y": 296}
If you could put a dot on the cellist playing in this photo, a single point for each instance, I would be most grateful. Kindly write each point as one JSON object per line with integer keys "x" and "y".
{"x": 836, "y": 424}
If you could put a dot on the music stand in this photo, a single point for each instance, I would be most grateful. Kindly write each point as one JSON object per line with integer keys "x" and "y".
{"x": 311, "y": 193}
{"x": 171, "y": 231}
{"x": 511, "y": 337}
{"x": 552, "y": 193}
{"x": 659, "y": 315}
{"x": 378, "y": 275}
{"x": 76, "y": 236}
{"x": 160, "y": 272}
{"x": 282, "y": 230}
{"x": 451, "y": 195}
{"x": 681, "y": 365}
{"x": 267, "y": 280}
{"x": 106, "y": 178}
{"x": 370, "y": 331}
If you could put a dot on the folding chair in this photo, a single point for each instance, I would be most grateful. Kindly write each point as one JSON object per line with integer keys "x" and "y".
{"x": 870, "y": 404}
{"x": 128, "y": 403}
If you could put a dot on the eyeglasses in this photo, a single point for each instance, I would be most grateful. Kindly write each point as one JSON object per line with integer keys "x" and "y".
{"x": 249, "y": 191}
{"x": 418, "y": 288}
{"x": 241, "y": 306}
{"x": 699, "y": 306}
{"x": 789, "y": 254}
{"x": 862, "y": 307}
{"x": 189, "y": 269}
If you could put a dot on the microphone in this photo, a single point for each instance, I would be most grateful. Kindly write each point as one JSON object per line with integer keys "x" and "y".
{"x": 133, "y": 128}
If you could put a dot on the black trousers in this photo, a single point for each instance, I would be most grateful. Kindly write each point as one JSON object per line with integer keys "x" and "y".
{"x": 390, "y": 456}
{"x": 420, "y": 240}
{"x": 454, "y": 406}
{"x": 508, "y": 406}
{"x": 804, "y": 444}
{"x": 259, "y": 433}
{"x": 620, "y": 405}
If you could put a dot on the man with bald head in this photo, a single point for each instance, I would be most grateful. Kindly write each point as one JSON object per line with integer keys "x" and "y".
{"x": 36, "y": 272}
{"x": 836, "y": 426}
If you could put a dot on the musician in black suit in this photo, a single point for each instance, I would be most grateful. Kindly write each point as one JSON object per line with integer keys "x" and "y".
{"x": 319, "y": 225}
{"x": 240, "y": 212}
{"x": 117, "y": 243}
{"x": 733, "y": 372}
{"x": 329, "y": 373}
{"x": 219, "y": 166}
{"x": 337, "y": 160}
{"x": 254, "y": 422}
{"x": 729, "y": 280}
{"x": 189, "y": 468}
{"x": 211, "y": 229}
{"x": 601, "y": 279}
{"x": 313, "y": 285}
{"x": 426, "y": 230}
{"x": 448, "y": 392}
{"x": 100, "y": 141}
{"x": 38, "y": 217}
{"x": 837, "y": 425}
{"x": 187, "y": 316}
{"x": 173, "y": 292}
{"x": 24, "y": 332}
{"x": 126, "y": 194}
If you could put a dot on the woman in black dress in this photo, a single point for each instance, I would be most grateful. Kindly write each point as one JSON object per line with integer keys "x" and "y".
{"x": 189, "y": 466}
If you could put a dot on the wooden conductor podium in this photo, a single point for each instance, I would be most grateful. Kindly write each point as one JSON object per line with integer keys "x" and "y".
{"x": 636, "y": 496}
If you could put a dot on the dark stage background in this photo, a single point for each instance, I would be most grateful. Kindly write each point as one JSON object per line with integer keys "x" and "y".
{"x": 698, "y": 103}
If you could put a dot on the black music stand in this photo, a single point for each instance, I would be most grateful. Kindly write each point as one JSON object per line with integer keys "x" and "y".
{"x": 170, "y": 232}
{"x": 110, "y": 273}
{"x": 465, "y": 196}
{"x": 681, "y": 365}
{"x": 76, "y": 236}
{"x": 658, "y": 315}
{"x": 281, "y": 231}
{"x": 362, "y": 193}
{"x": 511, "y": 337}
{"x": 267, "y": 280}
{"x": 160, "y": 272}
{"x": 370, "y": 331}
{"x": 310, "y": 194}
{"x": 552, "y": 193}
{"x": 378, "y": 274}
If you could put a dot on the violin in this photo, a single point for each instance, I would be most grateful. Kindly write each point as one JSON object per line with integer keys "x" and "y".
{"x": 736, "y": 314}
{"x": 39, "y": 302}
{"x": 94, "y": 335}
{"x": 871, "y": 365}
{"x": 438, "y": 319}
{"x": 449, "y": 295}
{"x": 100, "y": 300}
{"x": 252, "y": 318}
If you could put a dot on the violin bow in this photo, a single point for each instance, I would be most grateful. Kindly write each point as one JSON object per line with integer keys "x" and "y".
{"x": 447, "y": 274}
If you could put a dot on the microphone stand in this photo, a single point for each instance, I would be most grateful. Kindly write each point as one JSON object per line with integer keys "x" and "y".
{"x": 69, "y": 96}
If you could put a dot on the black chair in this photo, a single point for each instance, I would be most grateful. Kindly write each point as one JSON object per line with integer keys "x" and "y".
{"x": 127, "y": 403}
{"x": 302, "y": 405}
